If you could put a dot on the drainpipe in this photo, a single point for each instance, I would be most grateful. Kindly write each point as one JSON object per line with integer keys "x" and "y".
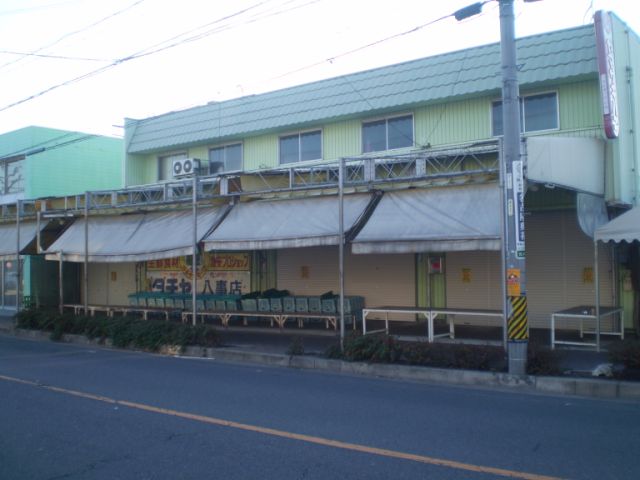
{"x": 60, "y": 280}
{"x": 86, "y": 253}
{"x": 18, "y": 269}
{"x": 341, "y": 247}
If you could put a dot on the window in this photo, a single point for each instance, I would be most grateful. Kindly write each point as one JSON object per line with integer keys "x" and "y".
{"x": 11, "y": 176}
{"x": 300, "y": 147}
{"x": 537, "y": 112}
{"x": 165, "y": 165}
{"x": 227, "y": 158}
{"x": 387, "y": 134}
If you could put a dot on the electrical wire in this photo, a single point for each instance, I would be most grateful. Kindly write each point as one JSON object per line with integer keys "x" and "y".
{"x": 346, "y": 80}
{"x": 75, "y": 32}
{"x": 55, "y": 57}
{"x": 140, "y": 54}
{"x": 44, "y": 145}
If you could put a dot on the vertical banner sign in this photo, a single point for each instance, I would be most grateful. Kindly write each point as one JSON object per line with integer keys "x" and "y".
{"x": 607, "y": 73}
{"x": 518, "y": 202}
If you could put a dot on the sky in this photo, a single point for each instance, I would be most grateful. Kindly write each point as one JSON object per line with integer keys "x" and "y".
{"x": 86, "y": 65}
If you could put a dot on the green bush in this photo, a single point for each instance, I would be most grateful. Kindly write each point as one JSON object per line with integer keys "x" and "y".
{"x": 470, "y": 357}
{"x": 386, "y": 349}
{"x": 541, "y": 360}
{"x": 123, "y": 331}
{"x": 296, "y": 347}
{"x": 626, "y": 353}
{"x": 371, "y": 348}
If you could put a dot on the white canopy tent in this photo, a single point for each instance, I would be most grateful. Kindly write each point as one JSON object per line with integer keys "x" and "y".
{"x": 625, "y": 228}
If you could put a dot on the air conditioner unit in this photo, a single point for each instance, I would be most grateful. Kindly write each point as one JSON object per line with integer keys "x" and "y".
{"x": 185, "y": 166}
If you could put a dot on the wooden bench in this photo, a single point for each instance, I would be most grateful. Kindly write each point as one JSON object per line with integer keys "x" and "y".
{"x": 330, "y": 319}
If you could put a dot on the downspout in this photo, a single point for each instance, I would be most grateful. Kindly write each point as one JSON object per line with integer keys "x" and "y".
{"x": 60, "y": 281}
{"x": 597, "y": 300}
{"x": 86, "y": 255}
{"x": 632, "y": 121}
{"x": 18, "y": 266}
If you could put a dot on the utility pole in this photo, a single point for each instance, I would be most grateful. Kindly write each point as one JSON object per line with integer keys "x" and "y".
{"x": 513, "y": 190}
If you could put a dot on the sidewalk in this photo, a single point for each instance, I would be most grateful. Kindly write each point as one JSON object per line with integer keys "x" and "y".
{"x": 270, "y": 346}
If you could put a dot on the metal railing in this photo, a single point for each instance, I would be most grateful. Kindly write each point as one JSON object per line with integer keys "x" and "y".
{"x": 423, "y": 165}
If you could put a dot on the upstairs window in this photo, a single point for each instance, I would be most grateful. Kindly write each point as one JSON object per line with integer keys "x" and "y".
{"x": 537, "y": 113}
{"x": 227, "y": 158}
{"x": 165, "y": 165}
{"x": 387, "y": 134}
{"x": 300, "y": 147}
{"x": 12, "y": 176}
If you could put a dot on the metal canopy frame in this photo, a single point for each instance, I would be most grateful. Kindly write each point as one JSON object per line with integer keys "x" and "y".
{"x": 362, "y": 172}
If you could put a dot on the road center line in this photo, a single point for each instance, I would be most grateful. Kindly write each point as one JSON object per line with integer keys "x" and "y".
{"x": 289, "y": 435}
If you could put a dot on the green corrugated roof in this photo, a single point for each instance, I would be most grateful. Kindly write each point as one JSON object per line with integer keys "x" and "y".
{"x": 547, "y": 57}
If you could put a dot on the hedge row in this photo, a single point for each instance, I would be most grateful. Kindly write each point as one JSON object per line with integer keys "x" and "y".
{"x": 387, "y": 349}
{"x": 122, "y": 331}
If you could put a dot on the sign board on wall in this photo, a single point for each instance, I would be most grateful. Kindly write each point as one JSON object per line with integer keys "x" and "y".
{"x": 607, "y": 73}
{"x": 219, "y": 273}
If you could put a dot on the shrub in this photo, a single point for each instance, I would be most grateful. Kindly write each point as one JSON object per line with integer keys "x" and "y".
{"x": 471, "y": 357}
{"x": 382, "y": 348}
{"x": 626, "y": 352}
{"x": 541, "y": 360}
{"x": 371, "y": 348}
{"x": 123, "y": 331}
{"x": 296, "y": 347}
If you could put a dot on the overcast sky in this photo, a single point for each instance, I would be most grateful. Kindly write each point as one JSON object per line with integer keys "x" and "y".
{"x": 147, "y": 57}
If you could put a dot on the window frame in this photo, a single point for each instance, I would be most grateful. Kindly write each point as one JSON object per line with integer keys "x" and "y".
{"x": 386, "y": 119}
{"x": 4, "y": 165}
{"x": 521, "y": 102}
{"x": 224, "y": 146}
{"x": 299, "y": 134}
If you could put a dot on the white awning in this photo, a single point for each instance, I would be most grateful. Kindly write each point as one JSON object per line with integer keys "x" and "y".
{"x": 625, "y": 228}
{"x": 135, "y": 237}
{"x": 438, "y": 219}
{"x": 291, "y": 223}
{"x": 8, "y": 238}
{"x": 576, "y": 163}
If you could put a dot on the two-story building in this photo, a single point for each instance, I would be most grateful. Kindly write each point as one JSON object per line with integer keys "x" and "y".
{"x": 422, "y": 206}
{"x": 40, "y": 163}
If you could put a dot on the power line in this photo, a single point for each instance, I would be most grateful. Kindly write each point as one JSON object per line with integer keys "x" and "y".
{"x": 139, "y": 54}
{"x": 43, "y": 147}
{"x": 368, "y": 45}
{"x": 55, "y": 57}
{"x": 75, "y": 32}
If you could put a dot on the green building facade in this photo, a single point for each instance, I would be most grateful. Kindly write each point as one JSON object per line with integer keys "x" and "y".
{"x": 37, "y": 163}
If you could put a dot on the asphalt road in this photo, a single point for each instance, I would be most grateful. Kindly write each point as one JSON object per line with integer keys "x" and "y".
{"x": 71, "y": 412}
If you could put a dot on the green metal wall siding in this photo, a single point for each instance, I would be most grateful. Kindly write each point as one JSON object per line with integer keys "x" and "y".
{"x": 342, "y": 139}
{"x": 580, "y": 106}
{"x": 142, "y": 169}
{"x": 29, "y": 138}
{"x": 461, "y": 121}
{"x": 93, "y": 164}
{"x": 454, "y": 122}
{"x": 626, "y": 156}
{"x": 260, "y": 152}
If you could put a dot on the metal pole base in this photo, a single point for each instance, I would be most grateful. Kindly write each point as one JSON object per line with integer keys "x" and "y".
{"x": 517, "y": 352}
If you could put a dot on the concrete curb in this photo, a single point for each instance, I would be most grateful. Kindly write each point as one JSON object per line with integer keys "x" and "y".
{"x": 584, "y": 387}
